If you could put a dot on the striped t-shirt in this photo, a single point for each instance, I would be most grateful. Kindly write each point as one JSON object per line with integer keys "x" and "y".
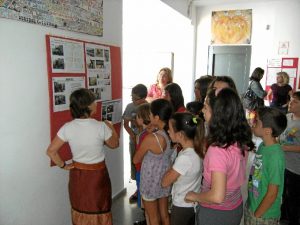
{"x": 232, "y": 163}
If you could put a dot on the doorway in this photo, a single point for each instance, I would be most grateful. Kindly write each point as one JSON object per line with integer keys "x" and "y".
{"x": 233, "y": 61}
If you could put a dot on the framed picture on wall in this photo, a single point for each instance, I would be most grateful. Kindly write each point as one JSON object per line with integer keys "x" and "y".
{"x": 231, "y": 27}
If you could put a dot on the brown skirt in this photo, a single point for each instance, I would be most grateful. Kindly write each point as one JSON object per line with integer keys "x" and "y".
{"x": 90, "y": 194}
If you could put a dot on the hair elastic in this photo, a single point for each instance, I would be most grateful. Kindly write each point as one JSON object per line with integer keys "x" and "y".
{"x": 195, "y": 120}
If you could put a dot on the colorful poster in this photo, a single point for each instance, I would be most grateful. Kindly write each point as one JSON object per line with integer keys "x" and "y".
{"x": 231, "y": 27}
{"x": 62, "y": 89}
{"x": 84, "y": 16}
{"x": 67, "y": 56}
{"x": 98, "y": 66}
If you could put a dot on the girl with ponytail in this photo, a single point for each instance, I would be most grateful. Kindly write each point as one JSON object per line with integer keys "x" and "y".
{"x": 186, "y": 173}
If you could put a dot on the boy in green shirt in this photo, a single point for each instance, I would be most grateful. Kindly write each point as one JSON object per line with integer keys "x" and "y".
{"x": 266, "y": 178}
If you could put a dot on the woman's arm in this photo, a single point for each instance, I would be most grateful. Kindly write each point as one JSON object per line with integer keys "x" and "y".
{"x": 170, "y": 177}
{"x": 113, "y": 141}
{"x": 269, "y": 95}
{"x": 215, "y": 195}
{"x": 52, "y": 152}
{"x": 258, "y": 90}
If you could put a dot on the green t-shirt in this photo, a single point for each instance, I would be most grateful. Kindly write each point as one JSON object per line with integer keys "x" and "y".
{"x": 268, "y": 168}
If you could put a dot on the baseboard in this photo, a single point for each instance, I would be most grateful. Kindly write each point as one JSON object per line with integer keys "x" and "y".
{"x": 119, "y": 194}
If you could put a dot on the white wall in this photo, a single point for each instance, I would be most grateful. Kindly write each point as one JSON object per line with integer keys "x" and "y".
{"x": 30, "y": 191}
{"x": 154, "y": 27}
{"x": 282, "y": 16}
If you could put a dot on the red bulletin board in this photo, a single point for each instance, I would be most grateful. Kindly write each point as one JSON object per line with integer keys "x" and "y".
{"x": 289, "y": 65}
{"x": 58, "y": 118}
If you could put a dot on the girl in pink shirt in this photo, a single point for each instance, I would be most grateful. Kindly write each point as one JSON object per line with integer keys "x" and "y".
{"x": 229, "y": 138}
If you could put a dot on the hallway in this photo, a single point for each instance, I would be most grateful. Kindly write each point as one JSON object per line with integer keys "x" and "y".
{"x": 123, "y": 212}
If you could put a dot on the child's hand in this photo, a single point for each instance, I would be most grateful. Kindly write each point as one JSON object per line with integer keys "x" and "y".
{"x": 191, "y": 197}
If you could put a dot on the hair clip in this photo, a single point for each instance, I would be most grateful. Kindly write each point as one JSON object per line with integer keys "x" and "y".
{"x": 195, "y": 120}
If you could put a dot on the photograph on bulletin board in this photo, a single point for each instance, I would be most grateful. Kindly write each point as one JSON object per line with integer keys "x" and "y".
{"x": 98, "y": 66}
{"x": 67, "y": 56}
{"x": 112, "y": 111}
{"x": 62, "y": 89}
{"x": 231, "y": 27}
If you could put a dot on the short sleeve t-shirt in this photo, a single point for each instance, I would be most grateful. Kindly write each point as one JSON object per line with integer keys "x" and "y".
{"x": 130, "y": 114}
{"x": 86, "y": 139}
{"x": 280, "y": 94}
{"x": 268, "y": 168}
{"x": 155, "y": 92}
{"x": 188, "y": 165}
{"x": 232, "y": 163}
{"x": 291, "y": 136}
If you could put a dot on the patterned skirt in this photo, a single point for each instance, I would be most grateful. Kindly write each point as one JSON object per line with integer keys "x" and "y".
{"x": 90, "y": 194}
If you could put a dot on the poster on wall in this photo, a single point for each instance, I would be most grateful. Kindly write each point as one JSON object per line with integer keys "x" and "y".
{"x": 112, "y": 111}
{"x": 288, "y": 65}
{"x": 272, "y": 75}
{"x": 67, "y": 56}
{"x": 62, "y": 89}
{"x": 98, "y": 66}
{"x": 231, "y": 27}
{"x": 283, "y": 48}
{"x": 84, "y": 16}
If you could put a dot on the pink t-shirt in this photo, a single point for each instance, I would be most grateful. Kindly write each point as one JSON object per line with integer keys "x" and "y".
{"x": 232, "y": 163}
{"x": 154, "y": 91}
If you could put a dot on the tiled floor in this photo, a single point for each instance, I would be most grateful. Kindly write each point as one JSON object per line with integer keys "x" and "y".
{"x": 123, "y": 212}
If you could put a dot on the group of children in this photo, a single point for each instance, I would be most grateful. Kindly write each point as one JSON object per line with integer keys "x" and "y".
{"x": 207, "y": 173}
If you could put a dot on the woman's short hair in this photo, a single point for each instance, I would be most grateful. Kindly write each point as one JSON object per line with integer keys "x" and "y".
{"x": 80, "y": 100}
{"x": 285, "y": 77}
{"x": 168, "y": 72}
{"x": 257, "y": 74}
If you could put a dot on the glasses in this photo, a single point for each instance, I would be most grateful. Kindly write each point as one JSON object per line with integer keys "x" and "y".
{"x": 135, "y": 98}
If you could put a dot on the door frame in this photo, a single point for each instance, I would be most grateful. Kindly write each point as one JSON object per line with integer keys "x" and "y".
{"x": 223, "y": 49}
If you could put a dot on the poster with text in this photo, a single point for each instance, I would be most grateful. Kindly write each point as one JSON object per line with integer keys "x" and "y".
{"x": 67, "y": 56}
{"x": 62, "y": 89}
{"x": 112, "y": 111}
{"x": 98, "y": 66}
